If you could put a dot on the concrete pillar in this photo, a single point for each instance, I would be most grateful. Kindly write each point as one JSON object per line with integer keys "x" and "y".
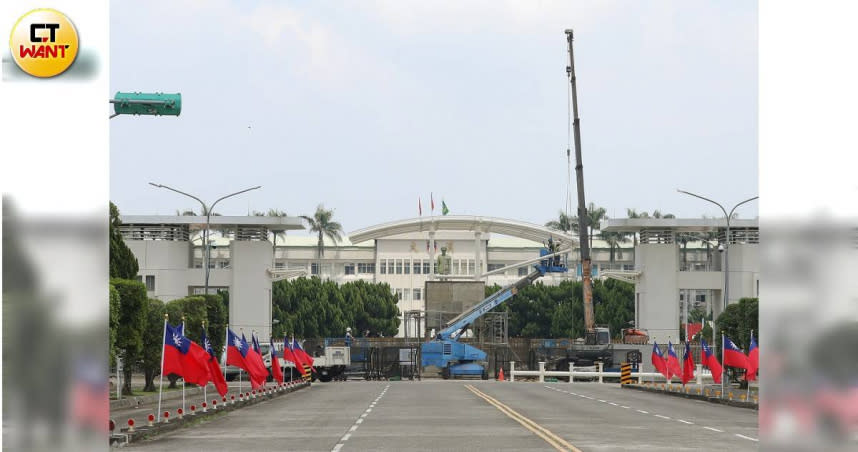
{"x": 542, "y": 371}
{"x": 699, "y": 371}
{"x": 512, "y": 371}
{"x": 571, "y": 369}
{"x": 478, "y": 266}
{"x": 600, "y": 372}
{"x": 431, "y": 255}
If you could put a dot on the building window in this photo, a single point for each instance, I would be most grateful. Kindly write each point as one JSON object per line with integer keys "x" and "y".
{"x": 629, "y": 267}
{"x": 426, "y": 268}
{"x": 417, "y": 266}
{"x": 150, "y": 283}
{"x": 366, "y": 268}
{"x": 406, "y": 294}
{"x": 418, "y": 294}
{"x": 350, "y": 269}
{"x": 398, "y": 266}
{"x": 407, "y": 267}
{"x": 493, "y": 267}
{"x": 700, "y": 297}
{"x": 522, "y": 271}
{"x": 198, "y": 263}
{"x": 140, "y": 278}
{"x": 279, "y": 265}
{"x": 398, "y": 293}
{"x": 382, "y": 269}
{"x": 472, "y": 267}
{"x": 223, "y": 263}
{"x": 314, "y": 268}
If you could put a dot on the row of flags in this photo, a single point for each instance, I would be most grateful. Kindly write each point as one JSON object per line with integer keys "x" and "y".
{"x": 444, "y": 209}
{"x": 199, "y": 364}
{"x": 732, "y": 356}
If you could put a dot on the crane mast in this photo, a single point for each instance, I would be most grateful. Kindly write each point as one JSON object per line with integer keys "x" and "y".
{"x": 589, "y": 318}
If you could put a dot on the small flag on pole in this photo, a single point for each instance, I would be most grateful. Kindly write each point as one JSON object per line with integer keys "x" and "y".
{"x": 419, "y": 207}
{"x": 432, "y": 202}
{"x": 444, "y": 209}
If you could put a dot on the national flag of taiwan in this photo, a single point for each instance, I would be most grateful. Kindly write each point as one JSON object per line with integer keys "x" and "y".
{"x": 236, "y": 351}
{"x": 258, "y": 372}
{"x": 184, "y": 358}
{"x": 275, "y": 363}
{"x": 753, "y": 359}
{"x": 733, "y": 356}
{"x": 289, "y": 355}
{"x": 710, "y": 361}
{"x": 693, "y": 329}
{"x": 214, "y": 367}
{"x": 296, "y": 348}
{"x": 672, "y": 362}
{"x": 687, "y": 364}
{"x": 658, "y": 360}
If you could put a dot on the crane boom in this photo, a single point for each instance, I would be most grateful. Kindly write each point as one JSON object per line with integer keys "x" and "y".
{"x": 589, "y": 318}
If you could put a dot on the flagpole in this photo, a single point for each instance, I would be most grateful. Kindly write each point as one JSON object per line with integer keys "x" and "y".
{"x": 748, "y": 396}
{"x": 206, "y": 387}
{"x": 161, "y": 384}
{"x": 723, "y": 368}
{"x": 240, "y": 386}
{"x": 226, "y": 352}
{"x": 291, "y": 377}
{"x": 183, "y": 377}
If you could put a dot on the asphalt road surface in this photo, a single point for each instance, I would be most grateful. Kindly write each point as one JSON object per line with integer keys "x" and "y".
{"x": 470, "y": 415}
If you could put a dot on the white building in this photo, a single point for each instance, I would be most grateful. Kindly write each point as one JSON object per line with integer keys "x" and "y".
{"x": 245, "y": 260}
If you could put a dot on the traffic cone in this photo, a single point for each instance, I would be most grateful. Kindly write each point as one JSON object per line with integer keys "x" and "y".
{"x": 500, "y": 375}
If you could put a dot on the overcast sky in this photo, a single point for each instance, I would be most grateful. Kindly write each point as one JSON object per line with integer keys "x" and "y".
{"x": 368, "y": 106}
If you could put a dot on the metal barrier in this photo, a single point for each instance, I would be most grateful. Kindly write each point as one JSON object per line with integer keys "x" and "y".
{"x": 596, "y": 372}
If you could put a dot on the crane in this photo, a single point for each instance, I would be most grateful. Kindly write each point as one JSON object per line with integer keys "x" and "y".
{"x": 458, "y": 359}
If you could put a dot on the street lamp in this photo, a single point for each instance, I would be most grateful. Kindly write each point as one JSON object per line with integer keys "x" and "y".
{"x": 726, "y": 243}
{"x": 208, "y": 211}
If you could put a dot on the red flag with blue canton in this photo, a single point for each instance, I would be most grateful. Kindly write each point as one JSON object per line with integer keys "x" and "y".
{"x": 236, "y": 351}
{"x": 658, "y": 360}
{"x": 214, "y": 367}
{"x": 275, "y": 363}
{"x": 733, "y": 356}
{"x": 753, "y": 359}
{"x": 710, "y": 361}
{"x": 183, "y": 357}
{"x": 290, "y": 355}
{"x": 687, "y": 365}
{"x": 672, "y": 362}
{"x": 296, "y": 348}
{"x": 258, "y": 372}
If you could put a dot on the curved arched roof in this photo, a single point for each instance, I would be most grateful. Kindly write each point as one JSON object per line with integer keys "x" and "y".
{"x": 503, "y": 226}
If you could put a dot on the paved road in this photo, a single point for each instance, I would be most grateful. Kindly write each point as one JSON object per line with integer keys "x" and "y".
{"x": 475, "y": 415}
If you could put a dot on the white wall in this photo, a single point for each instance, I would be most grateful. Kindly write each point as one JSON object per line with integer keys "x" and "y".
{"x": 250, "y": 289}
{"x": 168, "y": 262}
{"x": 659, "y": 292}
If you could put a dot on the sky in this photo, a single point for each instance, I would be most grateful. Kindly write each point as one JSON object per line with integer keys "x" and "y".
{"x": 369, "y": 106}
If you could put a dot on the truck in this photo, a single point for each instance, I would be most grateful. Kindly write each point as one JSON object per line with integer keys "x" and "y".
{"x": 457, "y": 359}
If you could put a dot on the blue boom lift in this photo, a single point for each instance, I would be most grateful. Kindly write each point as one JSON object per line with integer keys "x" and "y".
{"x": 462, "y": 360}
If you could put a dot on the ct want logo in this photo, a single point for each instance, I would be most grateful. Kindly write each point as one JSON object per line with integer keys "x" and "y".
{"x": 44, "y": 43}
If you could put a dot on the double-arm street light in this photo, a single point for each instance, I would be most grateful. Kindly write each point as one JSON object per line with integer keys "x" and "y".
{"x": 208, "y": 211}
{"x": 726, "y": 242}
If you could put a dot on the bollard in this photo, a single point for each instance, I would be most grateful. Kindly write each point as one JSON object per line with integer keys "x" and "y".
{"x": 240, "y": 397}
{"x": 130, "y": 425}
{"x": 717, "y": 393}
{"x": 253, "y": 394}
{"x": 181, "y": 413}
{"x": 151, "y": 420}
{"x": 542, "y": 371}
{"x": 166, "y": 417}
{"x": 246, "y": 395}
{"x": 699, "y": 390}
{"x": 601, "y": 366}
{"x": 223, "y": 399}
{"x": 193, "y": 410}
{"x": 214, "y": 404}
{"x": 205, "y": 407}
{"x": 111, "y": 425}
{"x": 512, "y": 371}
{"x": 571, "y": 372}
{"x": 232, "y": 399}
{"x": 755, "y": 399}
{"x": 699, "y": 374}
{"x": 742, "y": 397}
{"x": 730, "y": 395}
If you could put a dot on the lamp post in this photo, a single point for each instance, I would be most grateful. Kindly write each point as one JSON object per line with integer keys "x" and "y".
{"x": 726, "y": 243}
{"x": 208, "y": 211}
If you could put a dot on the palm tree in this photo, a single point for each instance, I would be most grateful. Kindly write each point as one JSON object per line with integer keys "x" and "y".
{"x": 322, "y": 223}
{"x": 563, "y": 223}
{"x": 594, "y": 216}
{"x": 614, "y": 239}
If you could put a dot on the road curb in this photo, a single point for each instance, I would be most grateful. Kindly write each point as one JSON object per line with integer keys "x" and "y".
{"x": 133, "y": 401}
{"x": 144, "y": 432}
{"x": 735, "y": 403}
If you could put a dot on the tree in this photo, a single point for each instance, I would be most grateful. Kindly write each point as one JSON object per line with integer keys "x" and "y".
{"x": 563, "y": 223}
{"x": 738, "y": 320}
{"x": 132, "y": 324}
{"x": 322, "y": 223}
{"x": 153, "y": 343}
{"x": 123, "y": 264}
{"x": 614, "y": 239}
{"x": 595, "y": 215}
{"x": 113, "y": 323}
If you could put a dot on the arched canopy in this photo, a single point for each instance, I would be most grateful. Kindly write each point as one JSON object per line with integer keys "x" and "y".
{"x": 502, "y": 226}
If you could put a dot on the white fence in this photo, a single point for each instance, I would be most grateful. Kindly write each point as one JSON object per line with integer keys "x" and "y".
{"x": 596, "y": 373}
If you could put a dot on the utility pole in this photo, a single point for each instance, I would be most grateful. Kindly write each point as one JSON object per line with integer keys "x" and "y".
{"x": 589, "y": 317}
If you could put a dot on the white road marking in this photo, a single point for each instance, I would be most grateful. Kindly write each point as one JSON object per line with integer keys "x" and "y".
{"x": 663, "y": 417}
{"x": 337, "y": 447}
{"x": 353, "y": 428}
{"x": 642, "y": 411}
{"x": 612, "y": 403}
{"x": 368, "y": 410}
{"x": 746, "y": 437}
{"x": 346, "y": 437}
{"x": 359, "y": 421}
{"x": 685, "y": 422}
{"x": 624, "y": 407}
{"x": 363, "y": 415}
{"x": 714, "y": 429}
{"x": 586, "y": 397}
{"x": 601, "y": 400}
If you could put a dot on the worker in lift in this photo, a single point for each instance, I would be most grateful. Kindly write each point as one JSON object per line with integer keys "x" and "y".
{"x": 348, "y": 337}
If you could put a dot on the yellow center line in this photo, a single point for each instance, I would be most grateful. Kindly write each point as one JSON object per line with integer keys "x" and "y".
{"x": 540, "y": 431}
